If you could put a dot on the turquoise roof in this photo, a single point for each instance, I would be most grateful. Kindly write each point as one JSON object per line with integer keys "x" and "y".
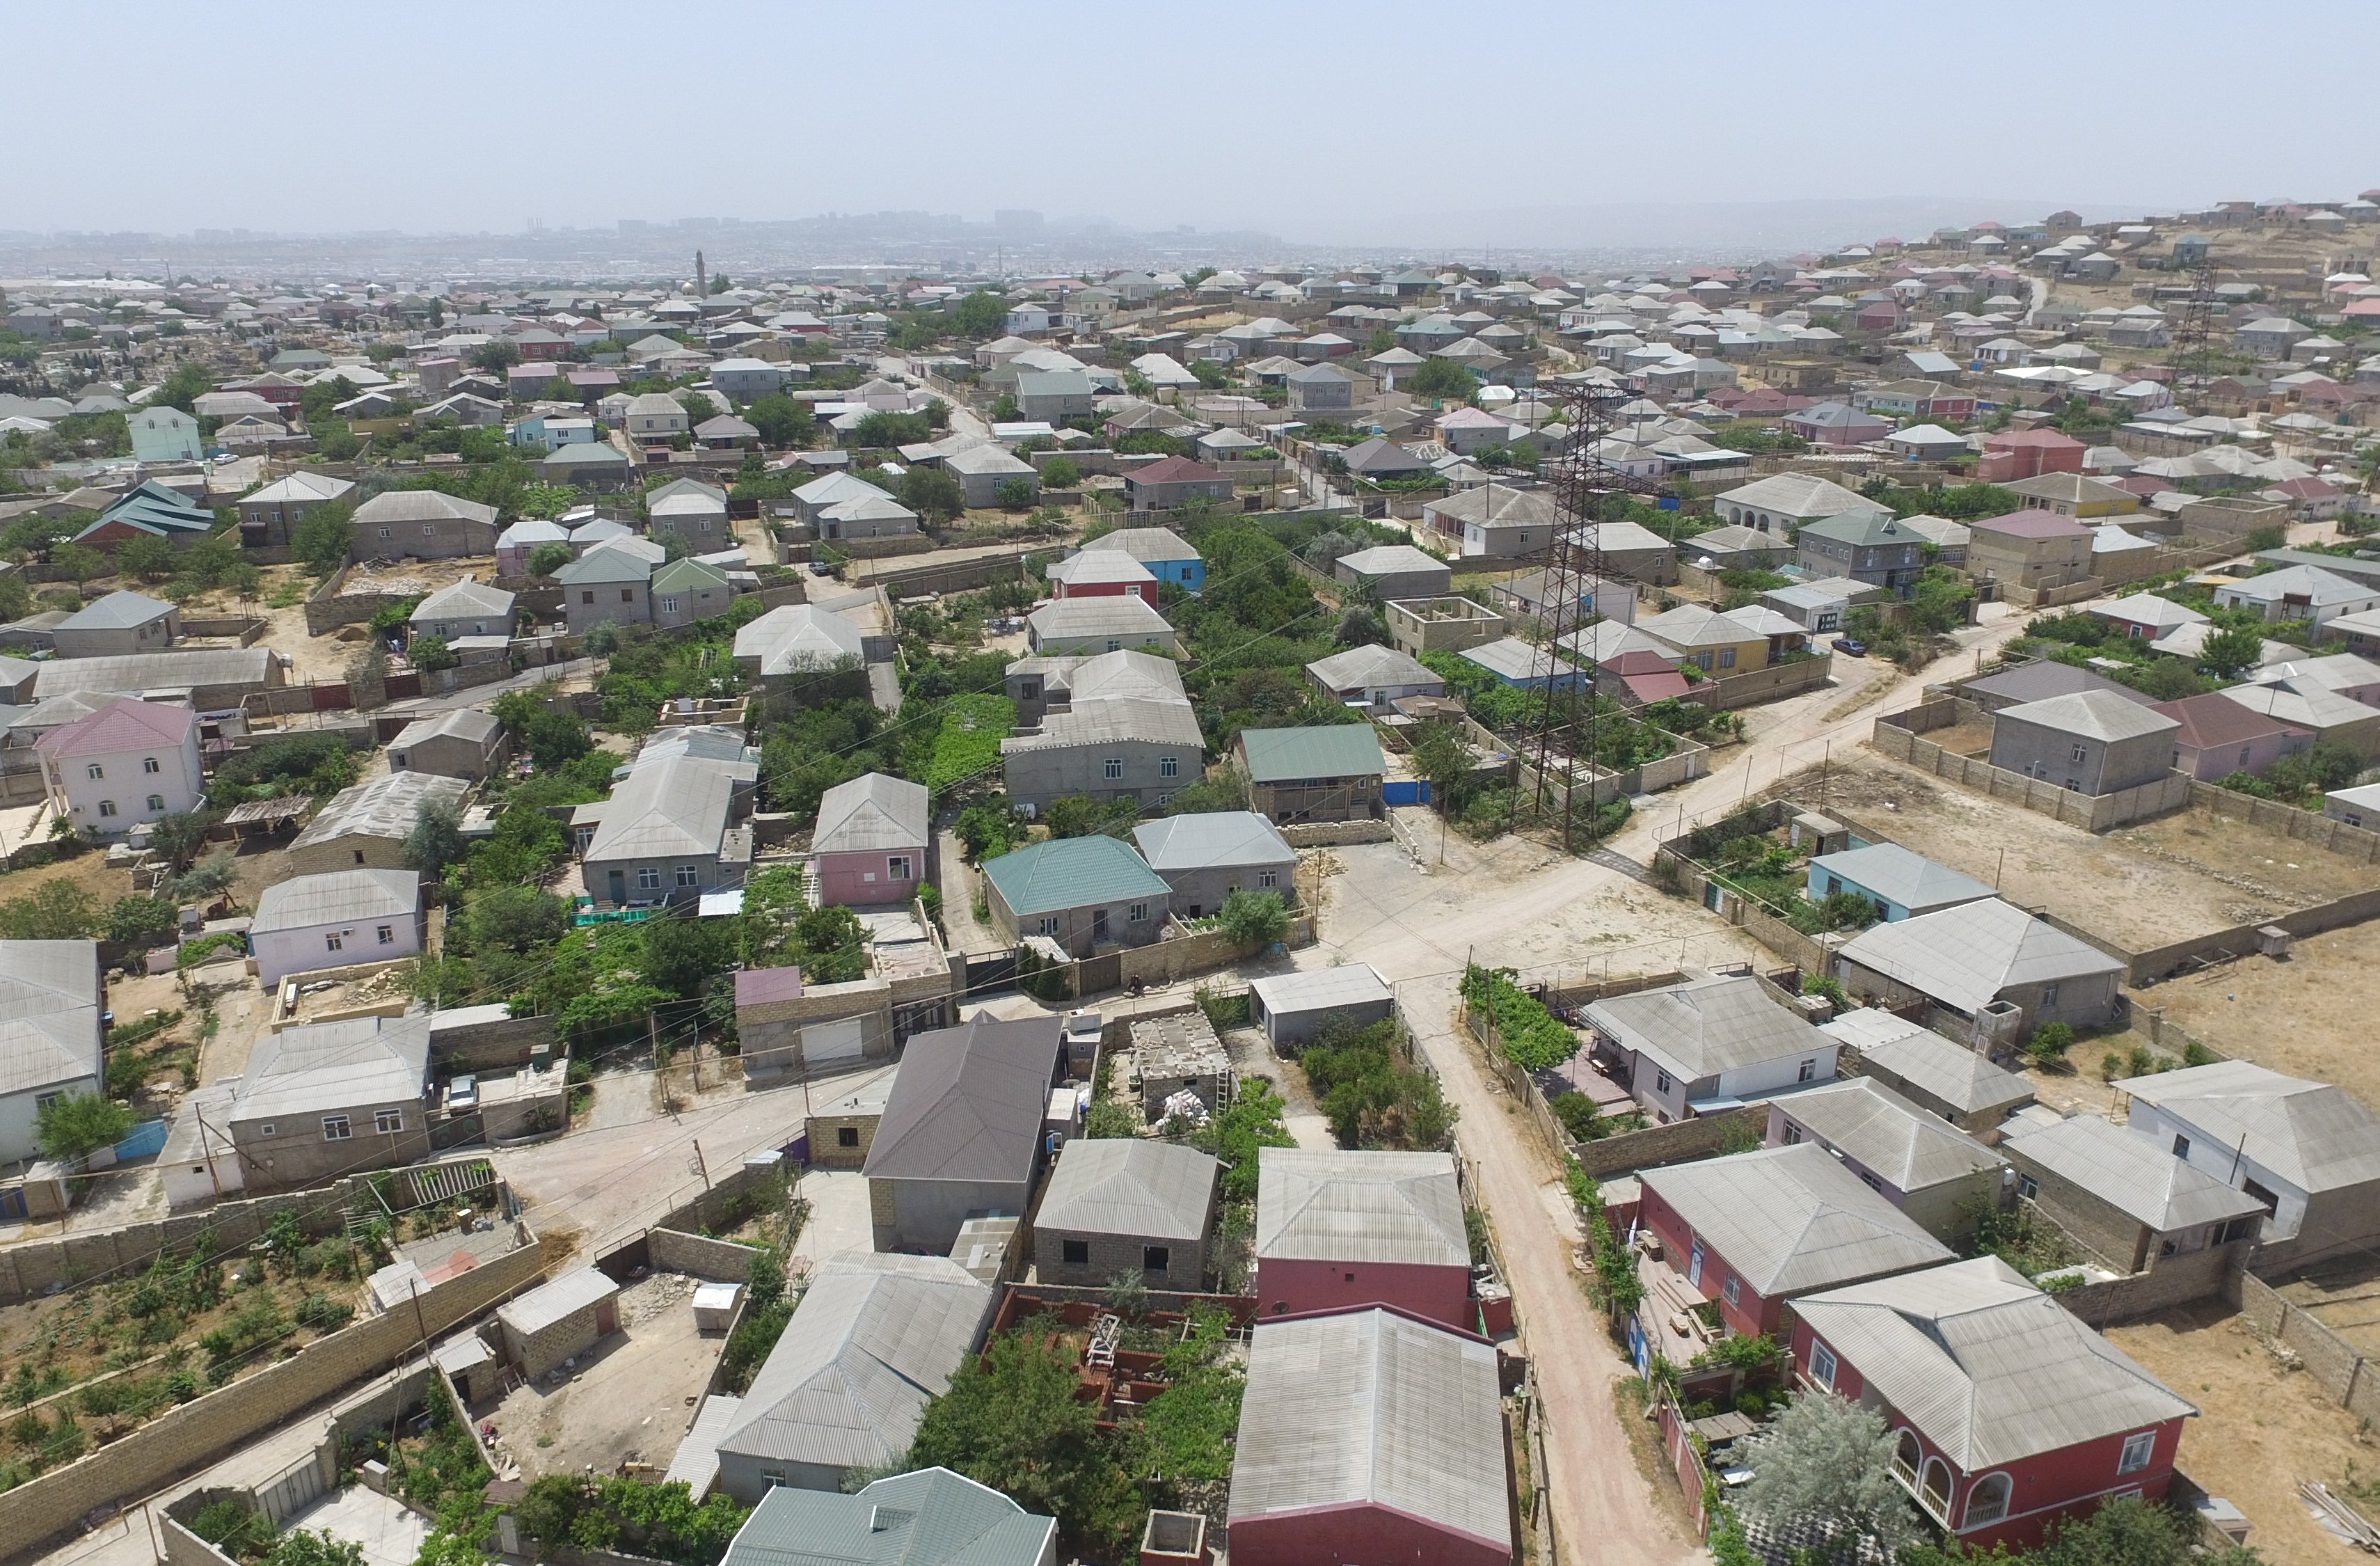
{"x": 1332, "y": 750}
{"x": 1073, "y": 872}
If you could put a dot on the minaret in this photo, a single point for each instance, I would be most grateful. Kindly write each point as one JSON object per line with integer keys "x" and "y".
{"x": 701, "y": 283}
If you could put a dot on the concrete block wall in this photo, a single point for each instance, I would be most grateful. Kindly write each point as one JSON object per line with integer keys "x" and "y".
{"x": 1678, "y": 1142}
{"x": 720, "y": 1261}
{"x": 2168, "y": 1282}
{"x": 1113, "y": 1253}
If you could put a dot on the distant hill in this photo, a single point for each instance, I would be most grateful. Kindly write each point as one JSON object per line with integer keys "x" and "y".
{"x": 1762, "y": 225}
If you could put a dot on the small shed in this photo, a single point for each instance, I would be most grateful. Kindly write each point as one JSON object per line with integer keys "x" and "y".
{"x": 473, "y": 1367}
{"x": 559, "y": 1320}
{"x": 1126, "y": 1205}
{"x": 1179, "y": 1054}
{"x": 1293, "y": 1008}
{"x": 714, "y": 1305}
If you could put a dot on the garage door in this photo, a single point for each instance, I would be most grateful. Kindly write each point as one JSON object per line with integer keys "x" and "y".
{"x": 827, "y": 1045}
{"x": 291, "y": 1493}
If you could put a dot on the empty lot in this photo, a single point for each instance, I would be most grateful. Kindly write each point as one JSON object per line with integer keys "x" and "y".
{"x": 2308, "y": 1016}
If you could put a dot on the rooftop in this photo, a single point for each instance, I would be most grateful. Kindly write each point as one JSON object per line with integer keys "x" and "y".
{"x": 1707, "y": 1027}
{"x": 2130, "y": 1172}
{"x": 969, "y": 1103}
{"x": 2311, "y": 1133}
{"x": 1966, "y": 955}
{"x": 1892, "y": 1138}
{"x": 1072, "y": 872}
{"x": 1791, "y": 1219}
{"x": 1326, "y": 1204}
{"x": 1129, "y": 1186}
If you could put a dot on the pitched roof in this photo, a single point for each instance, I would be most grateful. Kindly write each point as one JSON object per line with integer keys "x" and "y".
{"x": 1332, "y": 750}
{"x": 1894, "y": 1139}
{"x": 795, "y": 637}
{"x": 675, "y": 806}
{"x": 1382, "y": 560}
{"x": 2314, "y": 1135}
{"x": 2148, "y": 609}
{"x": 1987, "y": 1367}
{"x": 1965, "y": 956}
{"x": 869, "y": 813}
{"x": 2129, "y": 1171}
{"x": 2209, "y": 722}
{"x": 1318, "y": 1204}
{"x": 1147, "y": 545}
{"x": 969, "y": 1102}
{"x": 1130, "y": 1186}
{"x": 1123, "y": 615}
{"x": 382, "y": 807}
{"x": 51, "y": 998}
{"x": 335, "y": 1065}
{"x": 1072, "y": 872}
{"x": 1798, "y": 496}
{"x": 461, "y": 723}
{"x": 458, "y": 599}
{"x": 1210, "y": 840}
{"x": 1791, "y": 1219}
{"x": 1861, "y": 529}
{"x": 1705, "y": 1028}
{"x": 2093, "y": 714}
{"x": 123, "y": 724}
{"x": 932, "y": 1517}
{"x": 2048, "y": 677}
{"x": 1372, "y": 665}
{"x": 1899, "y": 876}
{"x": 118, "y": 611}
{"x": 304, "y": 902}
{"x": 1926, "y": 1062}
{"x": 421, "y": 505}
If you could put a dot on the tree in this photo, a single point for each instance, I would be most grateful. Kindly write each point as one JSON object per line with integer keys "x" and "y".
{"x": 1213, "y": 376}
{"x": 1444, "y": 380}
{"x": 322, "y": 536}
{"x": 496, "y": 357}
{"x": 520, "y": 917}
{"x": 1078, "y": 815}
{"x": 436, "y": 840}
{"x": 930, "y": 493}
{"x": 1381, "y": 341}
{"x": 73, "y": 1125}
{"x": 2049, "y": 1043}
{"x": 179, "y": 835}
{"x": 430, "y": 653}
{"x": 56, "y": 910}
{"x": 146, "y": 556}
{"x": 880, "y": 429}
{"x": 2231, "y": 652}
{"x": 781, "y": 421}
{"x": 140, "y": 922}
{"x": 1015, "y": 494}
{"x": 204, "y": 883}
{"x": 548, "y": 558}
{"x": 79, "y": 562}
{"x": 1061, "y": 473}
{"x": 185, "y": 386}
{"x": 310, "y": 1546}
{"x": 683, "y": 954}
{"x": 1004, "y": 410}
{"x": 979, "y": 315}
{"x": 1254, "y": 918}
{"x": 1824, "y": 1465}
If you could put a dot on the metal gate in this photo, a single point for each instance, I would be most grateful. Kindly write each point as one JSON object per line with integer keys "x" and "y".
{"x": 284, "y": 1498}
{"x": 987, "y": 974}
{"x": 1412, "y": 792}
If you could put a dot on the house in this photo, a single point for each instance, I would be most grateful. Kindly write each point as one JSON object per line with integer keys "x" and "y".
{"x": 587, "y": 464}
{"x": 797, "y": 639}
{"x": 557, "y": 1321}
{"x": 423, "y": 525}
{"x": 1495, "y": 521}
{"x": 2093, "y": 741}
{"x": 961, "y": 1135}
{"x": 1125, "y": 729}
{"x": 1986, "y": 960}
{"x": 1784, "y": 501}
{"x": 1344, "y": 1230}
{"x": 1395, "y": 571}
{"x": 2031, "y": 549}
{"x": 2219, "y": 737}
{"x": 873, "y": 1340}
{"x": 1380, "y": 458}
{"x": 210, "y": 679}
{"x": 671, "y": 832}
{"x": 2145, "y": 616}
{"x": 2026, "y": 454}
{"x": 1520, "y": 665}
{"x": 1901, "y": 884}
{"x": 1320, "y": 388}
{"x": 1373, "y": 677}
{"x": 1932, "y": 1173}
{"x": 1126, "y": 1207}
{"x": 1104, "y": 572}
{"x": 2308, "y": 1152}
{"x": 2125, "y": 1197}
{"x": 1819, "y": 606}
{"x": 517, "y": 542}
{"x": 1925, "y": 442}
{"x": 1088, "y": 626}
{"x": 151, "y": 510}
{"x": 2305, "y": 704}
{"x": 724, "y": 431}
{"x": 1203, "y": 856}
{"x": 2357, "y": 806}
{"x": 932, "y": 1517}
{"x": 689, "y": 589}
{"x": 1834, "y": 424}
{"x": 653, "y": 418}
{"x": 876, "y": 515}
{"x": 331, "y": 1099}
{"x": 463, "y": 609}
{"x": 1053, "y": 394}
{"x": 337, "y": 920}
{"x": 1162, "y": 551}
{"x": 365, "y": 827}
{"x": 1947, "y": 539}
{"x": 2073, "y": 495}
{"x": 1330, "y": 773}
{"x": 52, "y": 997}
{"x": 1752, "y": 1230}
{"x": 985, "y": 471}
{"x": 2041, "y": 680}
{"x": 1918, "y": 399}
{"x": 1295, "y": 1008}
{"x": 164, "y": 434}
{"x": 1172, "y": 482}
{"x": 1709, "y": 1044}
{"x": 1865, "y": 546}
{"x": 2299, "y": 592}
{"x": 120, "y": 624}
{"x": 2006, "y": 1412}
{"x": 695, "y": 511}
{"x": 269, "y": 515}
{"x": 1714, "y": 642}
{"x": 1941, "y": 1077}
{"x": 462, "y": 743}
{"x": 1544, "y": 594}
{"x": 610, "y": 584}
{"x": 1085, "y": 893}
{"x": 871, "y": 841}
{"x": 1625, "y": 549}
{"x": 127, "y": 763}
{"x": 1368, "y": 1436}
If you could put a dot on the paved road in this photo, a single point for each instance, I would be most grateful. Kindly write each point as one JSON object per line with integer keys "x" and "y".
{"x": 480, "y": 696}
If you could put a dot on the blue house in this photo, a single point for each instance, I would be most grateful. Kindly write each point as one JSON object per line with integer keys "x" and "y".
{"x": 1903, "y": 885}
{"x": 1167, "y": 555}
{"x": 163, "y": 434}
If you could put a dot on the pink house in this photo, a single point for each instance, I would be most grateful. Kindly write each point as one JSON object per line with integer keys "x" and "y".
{"x": 2007, "y": 1412}
{"x": 2028, "y": 454}
{"x": 2219, "y": 736}
{"x": 870, "y": 842}
{"x": 1340, "y": 1231}
{"x": 1103, "y": 572}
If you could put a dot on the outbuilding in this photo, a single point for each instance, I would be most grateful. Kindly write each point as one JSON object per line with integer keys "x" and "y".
{"x": 1295, "y": 1008}
{"x": 1126, "y": 1207}
{"x": 1344, "y": 1229}
{"x": 558, "y": 1321}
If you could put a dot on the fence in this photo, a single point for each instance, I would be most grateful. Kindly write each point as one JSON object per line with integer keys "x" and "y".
{"x": 2358, "y": 844}
{"x": 2093, "y": 812}
{"x": 2170, "y": 1281}
{"x": 1725, "y": 692}
{"x": 2331, "y": 1360}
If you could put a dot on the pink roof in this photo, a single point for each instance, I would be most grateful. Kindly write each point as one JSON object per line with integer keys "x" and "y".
{"x": 2032, "y": 525}
{"x": 127, "y": 723}
{"x": 1174, "y": 470}
{"x": 758, "y": 986}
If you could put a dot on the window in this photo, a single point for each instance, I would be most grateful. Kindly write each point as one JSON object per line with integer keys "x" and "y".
{"x": 2048, "y": 997}
{"x": 148, "y": 764}
{"x": 689, "y": 876}
{"x": 1661, "y": 1082}
{"x": 1726, "y": 658}
{"x": 2243, "y": 755}
{"x": 360, "y": 855}
{"x": 1077, "y": 1253}
{"x": 107, "y": 807}
{"x": 1137, "y": 913}
{"x": 429, "y": 529}
{"x": 1694, "y": 1265}
{"x": 669, "y": 604}
{"x": 1809, "y": 1069}
{"x": 2137, "y": 1452}
{"x": 388, "y": 1123}
{"x": 1733, "y": 1289}
{"x": 43, "y": 1100}
{"x": 1822, "y": 1366}
{"x": 1793, "y": 1134}
{"x": 588, "y": 596}
{"x": 847, "y": 1136}
{"x": 1156, "y": 1258}
{"x": 1113, "y": 767}
{"x": 897, "y": 868}
{"x": 388, "y": 935}
{"x": 1987, "y": 1501}
{"x": 337, "y": 1129}
{"x": 387, "y": 533}
{"x": 334, "y": 943}
{"x": 156, "y": 802}
{"x": 265, "y": 1129}
{"x": 1049, "y": 923}
{"x": 649, "y": 878}
{"x": 2079, "y": 753}
{"x": 94, "y": 770}
{"x": 2028, "y": 1187}
{"x": 2181, "y": 1147}
{"x": 1268, "y": 880}
{"x": 1168, "y": 766}
{"x": 627, "y": 595}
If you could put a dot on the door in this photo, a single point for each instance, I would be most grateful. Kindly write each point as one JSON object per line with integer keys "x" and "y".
{"x": 1099, "y": 926}
{"x": 619, "y": 887}
{"x": 1694, "y": 1266}
{"x": 607, "y": 1319}
{"x": 828, "y": 1045}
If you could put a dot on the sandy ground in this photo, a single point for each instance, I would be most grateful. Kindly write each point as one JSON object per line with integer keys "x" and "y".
{"x": 2328, "y": 988}
{"x": 2344, "y": 1295}
{"x": 2261, "y": 1428}
{"x": 2163, "y": 880}
{"x": 1252, "y": 1056}
{"x": 630, "y": 1402}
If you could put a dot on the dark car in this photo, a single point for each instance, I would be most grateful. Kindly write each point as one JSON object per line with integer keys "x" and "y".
{"x": 1850, "y": 646}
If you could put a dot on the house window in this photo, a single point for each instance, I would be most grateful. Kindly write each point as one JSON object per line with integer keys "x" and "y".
{"x": 1809, "y": 1069}
{"x": 2078, "y": 753}
{"x": 43, "y": 1100}
{"x": 2137, "y": 1452}
{"x": 669, "y": 604}
{"x": 94, "y": 770}
{"x": 1168, "y": 766}
{"x": 1156, "y": 1258}
{"x": 337, "y": 1129}
{"x": 1267, "y": 880}
{"x": 1077, "y": 1253}
{"x": 148, "y": 764}
{"x": 107, "y": 807}
{"x": 847, "y": 1136}
{"x": 335, "y": 942}
{"x": 1661, "y": 1082}
{"x": 2048, "y": 997}
{"x": 1733, "y": 1289}
{"x": 388, "y": 935}
{"x": 388, "y": 1123}
{"x": 1113, "y": 767}
{"x": 2028, "y": 1187}
{"x": 689, "y": 876}
{"x": 897, "y": 868}
{"x": 265, "y": 1129}
{"x": 1793, "y": 1134}
{"x": 1987, "y": 1501}
{"x": 2181, "y": 1147}
{"x": 1726, "y": 658}
{"x": 429, "y": 529}
{"x": 1137, "y": 913}
{"x": 588, "y": 596}
{"x": 1822, "y": 1366}
{"x": 1049, "y": 923}
{"x": 649, "y": 878}
{"x": 627, "y": 595}
{"x": 156, "y": 802}
{"x": 388, "y": 532}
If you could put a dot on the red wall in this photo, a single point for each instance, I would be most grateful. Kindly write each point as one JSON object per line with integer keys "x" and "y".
{"x": 1147, "y": 591}
{"x": 1751, "y": 1315}
{"x": 840, "y": 878}
{"x": 1435, "y": 1294}
{"x": 1356, "y": 1535}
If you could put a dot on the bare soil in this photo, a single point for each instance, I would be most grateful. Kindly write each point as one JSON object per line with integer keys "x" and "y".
{"x": 2328, "y": 990}
{"x": 630, "y": 1401}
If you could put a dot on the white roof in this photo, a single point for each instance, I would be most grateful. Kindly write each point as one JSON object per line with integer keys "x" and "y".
{"x": 557, "y": 1301}
{"x": 869, "y": 813}
{"x": 2129, "y": 1173}
{"x": 1792, "y": 1218}
{"x": 2315, "y": 1137}
{"x": 340, "y": 897}
{"x": 1132, "y": 1186}
{"x": 1325, "y": 1204}
{"x": 50, "y": 1000}
{"x": 1965, "y": 956}
{"x": 1314, "y": 990}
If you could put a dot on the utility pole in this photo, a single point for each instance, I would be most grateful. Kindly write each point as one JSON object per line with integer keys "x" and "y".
{"x": 703, "y": 1168}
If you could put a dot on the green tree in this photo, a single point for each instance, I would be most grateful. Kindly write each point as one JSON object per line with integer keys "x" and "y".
{"x": 75, "y": 1123}
{"x": 142, "y": 921}
{"x": 2232, "y": 651}
{"x": 1213, "y": 376}
{"x": 1254, "y": 918}
{"x": 313, "y": 1546}
{"x": 932, "y": 494}
{"x": 436, "y": 840}
{"x": 1061, "y": 473}
{"x": 782, "y": 423}
{"x": 56, "y": 910}
{"x": 184, "y": 386}
{"x": 979, "y": 315}
{"x": 1826, "y": 1465}
{"x": 204, "y": 883}
{"x": 881, "y": 429}
{"x": 79, "y": 562}
{"x": 548, "y": 558}
{"x": 1381, "y": 341}
{"x": 1015, "y": 494}
{"x": 146, "y": 556}
{"x": 322, "y": 536}
{"x": 496, "y": 356}
{"x": 2049, "y": 1043}
{"x": 1078, "y": 815}
{"x": 683, "y": 954}
{"x": 520, "y": 917}
{"x": 429, "y": 653}
{"x": 1445, "y": 381}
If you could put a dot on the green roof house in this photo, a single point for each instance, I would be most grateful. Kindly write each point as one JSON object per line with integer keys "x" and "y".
{"x": 1082, "y": 892}
{"x": 1330, "y": 773}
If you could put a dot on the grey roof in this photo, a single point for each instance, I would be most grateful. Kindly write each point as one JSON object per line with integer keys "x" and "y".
{"x": 1899, "y": 876}
{"x": 2314, "y": 1135}
{"x": 1122, "y": 614}
{"x": 1927, "y": 1062}
{"x": 1317, "y": 1204}
{"x": 301, "y": 487}
{"x": 1799, "y": 495}
{"x": 458, "y": 599}
{"x": 1132, "y": 1186}
{"x": 340, "y": 897}
{"x": 1372, "y": 665}
{"x": 1789, "y": 1219}
{"x": 50, "y": 1000}
{"x": 1212, "y": 840}
{"x": 2130, "y": 1173}
{"x": 557, "y": 1300}
{"x": 2093, "y": 714}
{"x": 1987, "y": 1367}
{"x": 421, "y": 505}
{"x": 969, "y": 1103}
{"x": 335, "y": 1065}
{"x": 611, "y": 561}
{"x": 1316, "y": 989}
{"x": 1146, "y": 544}
{"x": 1072, "y": 872}
{"x": 795, "y": 637}
{"x": 117, "y": 612}
{"x": 1710, "y": 1025}
{"x": 932, "y": 1517}
{"x": 1897, "y": 1142}
{"x": 874, "y": 1338}
{"x": 460, "y": 722}
{"x": 155, "y": 671}
{"x": 382, "y": 807}
{"x": 870, "y": 812}
{"x": 1121, "y": 695}
{"x": 673, "y": 807}
{"x": 1382, "y": 560}
{"x": 1332, "y": 750}
{"x": 2036, "y": 681}
{"x": 1965, "y": 956}
{"x": 1369, "y": 1408}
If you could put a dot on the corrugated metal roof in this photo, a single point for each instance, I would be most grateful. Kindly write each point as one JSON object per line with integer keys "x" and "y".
{"x": 1332, "y": 750}
{"x": 382, "y": 807}
{"x": 1204, "y": 840}
{"x": 1318, "y": 1204}
{"x": 696, "y": 1463}
{"x": 132, "y": 672}
{"x": 1965, "y": 956}
{"x": 557, "y": 1300}
{"x": 1710, "y": 1025}
{"x": 1318, "y": 990}
{"x": 460, "y": 722}
{"x": 1897, "y": 1142}
{"x": 1899, "y": 876}
{"x": 335, "y": 1065}
{"x": 2314, "y": 1135}
{"x": 117, "y": 611}
{"x": 1122, "y": 615}
{"x": 1132, "y": 1186}
{"x": 796, "y": 636}
{"x": 1926, "y": 1061}
{"x": 2128, "y": 1171}
{"x": 419, "y": 505}
{"x": 1360, "y": 666}
{"x": 870, "y": 812}
{"x": 51, "y": 997}
{"x": 1370, "y": 1408}
{"x": 1073, "y": 872}
{"x": 122, "y": 725}
{"x": 932, "y": 1517}
{"x": 343, "y": 897}
{"x": 1989, "y": 1368}
{"x": 1791, "y": 1219}
{"x": 969, "y": 1103}
{"x": 2092, "y": 714}
{"x": 1148, "y": 545}
{"x": 675, "y": 807}
{"x": 458, "y": 599}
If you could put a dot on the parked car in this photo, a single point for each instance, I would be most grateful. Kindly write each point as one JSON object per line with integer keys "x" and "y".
{"x": 1850, "y": 646}
{"x": 462, "y": 1094}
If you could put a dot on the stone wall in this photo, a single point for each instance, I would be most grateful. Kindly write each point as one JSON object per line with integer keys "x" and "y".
{"x": 2330, "y": 1359}
{"x": 696, "y": 1256}
{"x": 1331, "y": 834}
{"x": 1775, "y": 683}
{"x": 2091, "y": 812}
{"x": 1679, "y": 1142}
{"x": 2360, "y": 844}
{"x": 486, "y": 1045}
{"x": 2355, "y": 908}
{"x": 2168, "y": 1282}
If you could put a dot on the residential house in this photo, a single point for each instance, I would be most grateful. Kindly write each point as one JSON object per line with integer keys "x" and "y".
{"x": 1125, "y": 728}
{"x": 695, "y": 511}
{"x": 1331, "y": 773}
{"x": 1947, "y": 540}
{"x": 2308, "y": 1152}
{"x": 2124, "y": 1197}
{"x": 2299, "y": 592}
{"x": 1901, "y": 884}
{"x": 1294, "y": 1009}
{"x": 2026, "y": 453}
{"x": 210, "y": 679}
{"x": 2145, "y": 616}
{"x": 326, "y": 1099}
{"x": 1165, "y": 554}
{"x": 1834, "y": 424}
{"x": 674, "y": 828}
{"x": 871, "y": 841}
{"x": 876, "y": 515}
{"x": 962, "y": 1133}
{"x": 1785, "y": 501}
{"x": 127, "y": 763}
{"x": 932, "y": 1517}
{"x": 337, "y": 920}
{"x": 1544, "y": 595}
{"x": 985, "y": 471}
{"x": 1395, "y": 571}
{"x": 1344, "y": 1230}
{"x": 747, "y": 380}
{"x": 2041, "y": 680}
{"x": 2033, "y": 550}
{"x": 1103, "y": 572}
{"x": 2093, "y": 742}
{"x": 554, "y": 1325}
{"x": 2306, "y": 704}
{"x": 1203, "y": 856}
{"x": 1989, "y": 962}
{"x": 1380, "y": 458}
{"x": 164, "y": 434}
{"x": 1819, "y": 606}
{"x": 1495, "y": 521}
{"x": 1932, "y": 1173}
{"x": 1172, "y": 482}
{"x": 1053, "y": 394}
{"x": 117, "y": 624}
{"x": 1126, "y": 1207}
{"x": 1709, "y": 1044}
{"x": 270, "y": 515}
{"x": 52, "y": 997}
{"x": 1941, "y": 1078}
{"x": 1865, "y": 546}
{"x": 610, "y": 584}
{"x": 2219, "y": 737}
{"x": 1373, "y": 677}
{"x": 1716, "y": 643}
{"x": 365, "y": 827}
{"x": 1925, "y": 442}
{"x": 149, "y": 510}
{"x": 463, "y": 609}
{"x": 2073, "y": 495}
{"x": 2357, "y": 806}
{"x": 2006, "y": 1412}
{"x": 462, "y": 742}
{"x": 1918, "y": 399}
{"x": 1625, "y": 549}
{"x": 1085, "y": 893}
{"x": 423, "y": 525}
{"x": 689, "y": 589}
{"x": 1370, "y": 1436}
{"x": 596, "y": 466}
{"x": 1320, "y": 388}
{"x": 1521, "y": 666}
{"x": 653, "y": 418}
{"x": 1088, "y": 626}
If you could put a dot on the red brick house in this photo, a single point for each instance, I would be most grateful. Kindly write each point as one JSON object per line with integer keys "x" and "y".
{"x": 1103, "y": 572}
{"x": 1339, "y": 1231}
{"x": 1758, "y": 1229}
{"x": 2008, "y": 1413}
{"x": 2028, "y": 454}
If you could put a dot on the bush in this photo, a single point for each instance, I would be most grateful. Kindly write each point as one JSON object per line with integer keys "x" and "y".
{"x": 1533, "y": 1037}
{"x": 142, "y": 921}
{"x": 1254, "y": 918}
{"x": 2049, "y": 1043}
{"x": 1578, "y": 1115}
{"x": 1062, "y": 474}
{"x": 78, "y": 1124}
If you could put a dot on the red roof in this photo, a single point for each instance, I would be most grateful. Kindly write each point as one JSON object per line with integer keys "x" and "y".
{"x": 2306, "y": 489}
{"x": 2215, "y": 719}
{"x": 128, "y": 724}
{"x": 1175, "y": 470}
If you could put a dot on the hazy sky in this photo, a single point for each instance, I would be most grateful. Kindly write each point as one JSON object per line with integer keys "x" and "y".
{"x": 1344, "y": 123}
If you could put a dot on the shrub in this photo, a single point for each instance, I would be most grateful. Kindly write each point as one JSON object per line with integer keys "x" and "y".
{"x": 1533, "y": 1037}
{"x": 1254, "y": 918}
{"x": 2049, "y": 1043}
{"x": 1578, "y": 1115}
{"x": 2111, "y": 1066}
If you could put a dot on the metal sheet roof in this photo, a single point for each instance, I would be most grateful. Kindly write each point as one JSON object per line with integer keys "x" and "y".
{"x": 1894, "y": 1139}
{"x": 1332, "y": 750}
{"x": 1073, "y": 872}
{"x": 1965, "y": 956}
{"x": 132, "y": 672}
{"x": 1901, "y": 877}
{"x": 382, "y": 807}
{"x": 2092, "y": 714}
{"x": 2314, "y": 1135}
{"x": 557, "y": 1300}
{"x": 796, "y": 636}
{"x": 869, "y": 813}
{"x": 969, "y": 1103}
{"x": 1327, "y": 1204}
{"x": 1928, "y": 1063}
{"x": 51, "y": 997}
{"x": 341, "y": 897}
{"x": 335, "y": 1065}
{"x": 675, "y": 807}
{"x": 1372, "y": 665}
{"x": 1791, "y": 1219}
{"x": 1132, "y": 1186}
{"x": 1212, "y": 840}
{"x": 2130, "y": 1172}
{"x": 932, "y": 1517}
{"x": 117, "y": 611}
{"x": 1705, "y": 1028}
